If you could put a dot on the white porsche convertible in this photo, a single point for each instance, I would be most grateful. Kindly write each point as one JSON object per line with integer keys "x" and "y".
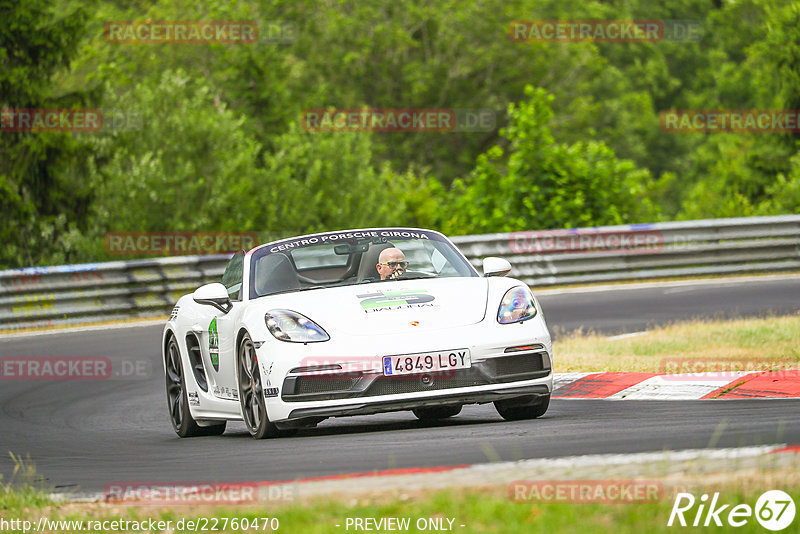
{"x": 322, "y": 325}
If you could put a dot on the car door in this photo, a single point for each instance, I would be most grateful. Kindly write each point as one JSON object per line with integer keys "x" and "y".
{"x": 222, "y": 334}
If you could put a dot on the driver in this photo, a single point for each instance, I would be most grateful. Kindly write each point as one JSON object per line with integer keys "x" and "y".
{"x": 391, "y": 263}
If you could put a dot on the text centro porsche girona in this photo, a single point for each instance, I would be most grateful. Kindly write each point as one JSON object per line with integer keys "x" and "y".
{"x": 304, "y": 328}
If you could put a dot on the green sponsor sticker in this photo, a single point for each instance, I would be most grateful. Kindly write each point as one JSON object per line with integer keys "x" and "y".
{"x": 213, "y": 343}
{"x": 384, "y": 299}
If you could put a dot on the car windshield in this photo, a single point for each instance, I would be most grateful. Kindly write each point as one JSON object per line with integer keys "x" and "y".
{"x": 352, "y": 257}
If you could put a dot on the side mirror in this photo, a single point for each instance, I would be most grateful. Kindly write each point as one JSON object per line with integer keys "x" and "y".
{"x": 493, "y": 266}
{"x": 213, "y": 295}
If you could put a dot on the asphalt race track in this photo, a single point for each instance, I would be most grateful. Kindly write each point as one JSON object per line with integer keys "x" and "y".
{"x": 620, "y": 311}
{"x": 82, "y": 435}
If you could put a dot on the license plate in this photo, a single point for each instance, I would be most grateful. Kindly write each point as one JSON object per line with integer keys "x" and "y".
{"x": 426, "y": 362}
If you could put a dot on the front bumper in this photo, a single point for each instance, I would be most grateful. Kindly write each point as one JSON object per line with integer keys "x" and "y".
{"x": 528, "y": 365}
{"x": 525, "y": 377}
{"x": 500, "y": 370}
{"x": 525, "y": 394}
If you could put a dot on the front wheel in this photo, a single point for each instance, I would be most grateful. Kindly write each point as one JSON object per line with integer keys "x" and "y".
{"x": 510, "y": 412}
{"x": 251, "y": 393}
{"x": 177, "y": 402}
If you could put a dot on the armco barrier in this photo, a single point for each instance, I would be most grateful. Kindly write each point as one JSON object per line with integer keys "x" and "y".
{"x": 66, "y": 294}
{"x": 669, "y": 249}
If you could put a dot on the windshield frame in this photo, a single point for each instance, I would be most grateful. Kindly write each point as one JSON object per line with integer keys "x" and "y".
{"x": 387, "y": 234}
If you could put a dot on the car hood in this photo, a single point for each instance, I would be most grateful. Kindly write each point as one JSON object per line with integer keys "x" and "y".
{"x": 390, "y": 307}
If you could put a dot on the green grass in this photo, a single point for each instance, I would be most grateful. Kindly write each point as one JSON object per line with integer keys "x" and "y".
{"x": 24, "y": 490}
{"x": 489, "y": 510}
{"x": 481, "y": 509}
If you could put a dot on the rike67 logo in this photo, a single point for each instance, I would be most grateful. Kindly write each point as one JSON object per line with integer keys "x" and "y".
{"x": 774, "y": 510}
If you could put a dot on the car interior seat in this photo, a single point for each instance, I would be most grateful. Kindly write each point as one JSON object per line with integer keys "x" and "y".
{"x": 369, "y": 260}
{"x": 275, "y": 273}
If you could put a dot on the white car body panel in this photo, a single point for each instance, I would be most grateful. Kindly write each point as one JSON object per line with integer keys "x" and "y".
{"x": 462, "y": 314}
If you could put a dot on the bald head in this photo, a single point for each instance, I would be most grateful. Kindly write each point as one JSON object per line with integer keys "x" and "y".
{"x": 390, "y": 255}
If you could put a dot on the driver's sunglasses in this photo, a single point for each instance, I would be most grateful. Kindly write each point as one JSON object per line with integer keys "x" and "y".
{"x": 395, "y": 264}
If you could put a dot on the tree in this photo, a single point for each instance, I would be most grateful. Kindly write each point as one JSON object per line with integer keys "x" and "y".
{"x": 733, "y": 175}
{"x": 42, "y": 191}
{"x": 546, "y": 184}
{"x": 319, "y": 181}
{"x": 179, "y": 162}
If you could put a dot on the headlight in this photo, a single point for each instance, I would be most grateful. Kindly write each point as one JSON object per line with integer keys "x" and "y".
{"x": 517, "y": 305}
{"x": 287, "y": 325}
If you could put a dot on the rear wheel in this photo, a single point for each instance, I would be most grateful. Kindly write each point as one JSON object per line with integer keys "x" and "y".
{"x": 434, "y": 413}
{"x": 511, "y": 412}
{"x": 251, "y": 393}
{"x": 177, "y": 401}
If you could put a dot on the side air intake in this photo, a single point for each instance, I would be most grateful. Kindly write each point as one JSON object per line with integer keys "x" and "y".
{"x": 196, "y": 361}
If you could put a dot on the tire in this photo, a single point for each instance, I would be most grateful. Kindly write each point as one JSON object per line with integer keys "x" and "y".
{"x": 251, "y": 393}
{"x": 436, "y": 412}
{"x": 510, "y": 412}
{"x": 178, "y": 402}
